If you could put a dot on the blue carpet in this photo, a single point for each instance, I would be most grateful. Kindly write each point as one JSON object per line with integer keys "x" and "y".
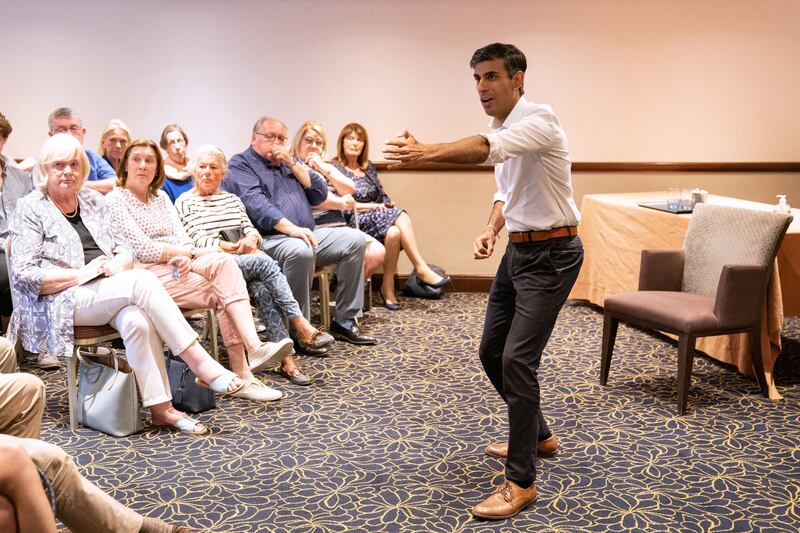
{"x": 390, "y": 438}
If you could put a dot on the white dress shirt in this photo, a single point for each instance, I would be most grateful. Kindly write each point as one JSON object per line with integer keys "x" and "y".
{"x": 532, "y": 169}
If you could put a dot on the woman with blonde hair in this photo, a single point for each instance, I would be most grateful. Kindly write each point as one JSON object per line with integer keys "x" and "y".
{"x": 309, "y": 146}
{"x": 377, "y": 215}
{"x": 113, "y": 142}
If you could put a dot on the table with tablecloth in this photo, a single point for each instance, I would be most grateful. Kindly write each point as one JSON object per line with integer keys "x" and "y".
{"x": 614, "y": 230}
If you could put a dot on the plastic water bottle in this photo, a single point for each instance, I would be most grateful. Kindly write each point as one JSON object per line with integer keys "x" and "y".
{"x": 782, "y": 207}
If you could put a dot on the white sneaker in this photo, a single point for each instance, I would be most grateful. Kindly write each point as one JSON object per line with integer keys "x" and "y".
{"x": 257, "y": 391}
{"x": 270, "y": 353}
{"x": 47, "y": 361}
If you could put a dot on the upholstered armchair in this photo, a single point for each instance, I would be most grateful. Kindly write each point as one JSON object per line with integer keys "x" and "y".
{"x": 715, "y": 285}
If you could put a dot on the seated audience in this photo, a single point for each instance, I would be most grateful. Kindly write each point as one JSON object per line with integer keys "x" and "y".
{"x": 278, "y": 193}
{"x": 102, "y": 176}
{"x": 215, "y": 218}
{"x": 24, "y": 504}
{"x": 377, "y": 215}
{"x": 113, "y": 141}
{"x": 14, "y": 184}
{"x": 178, "y": 180}
{"x": 195, "y": 277}
{"x": 69, "y": 268}
{"x": 310, "y": 145}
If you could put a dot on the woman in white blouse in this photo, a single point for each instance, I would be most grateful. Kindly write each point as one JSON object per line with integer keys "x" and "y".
{"x": 194, "y": 277}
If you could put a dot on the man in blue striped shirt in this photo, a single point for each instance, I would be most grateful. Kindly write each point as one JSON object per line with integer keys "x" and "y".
{"x": 278, "y": 193}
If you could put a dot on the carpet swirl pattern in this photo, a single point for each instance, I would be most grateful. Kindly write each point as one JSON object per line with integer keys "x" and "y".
{"x": 390, "y": 438}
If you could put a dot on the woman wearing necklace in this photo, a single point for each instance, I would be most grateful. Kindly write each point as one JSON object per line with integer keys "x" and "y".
{"x": 194, "y": 277}
{"x": 70, "y": 268}
{"x": 377, "y": 215}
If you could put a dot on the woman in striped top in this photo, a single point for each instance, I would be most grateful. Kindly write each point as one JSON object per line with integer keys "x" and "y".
{"x": 216, "y": 218}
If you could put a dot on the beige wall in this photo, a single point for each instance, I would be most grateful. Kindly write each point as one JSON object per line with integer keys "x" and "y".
{"x": 455, "y": 205}
{"x": 631, "y": 80}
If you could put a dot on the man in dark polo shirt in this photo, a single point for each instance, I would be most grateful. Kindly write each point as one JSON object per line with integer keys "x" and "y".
{"x": 278, "y": 193}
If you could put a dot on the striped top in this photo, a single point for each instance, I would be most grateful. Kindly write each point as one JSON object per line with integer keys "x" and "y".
{"x": 204, "y": 217}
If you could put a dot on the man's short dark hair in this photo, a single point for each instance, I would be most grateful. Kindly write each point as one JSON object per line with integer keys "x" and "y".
{"x": 513, "y": 58}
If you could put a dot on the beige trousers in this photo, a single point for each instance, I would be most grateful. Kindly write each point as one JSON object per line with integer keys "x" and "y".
{"x": 80, "y": 505}
{"x": 215, "y": 281}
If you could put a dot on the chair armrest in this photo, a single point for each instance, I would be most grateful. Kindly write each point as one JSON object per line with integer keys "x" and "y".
{"x": 661, "y": 270}
{"x": 740, "y": 294}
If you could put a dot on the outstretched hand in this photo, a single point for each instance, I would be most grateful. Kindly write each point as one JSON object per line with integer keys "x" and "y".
{"x": 406, "y": 151}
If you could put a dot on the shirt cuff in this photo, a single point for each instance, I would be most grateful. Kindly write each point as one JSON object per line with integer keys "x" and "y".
{"x": 499, "y": 197}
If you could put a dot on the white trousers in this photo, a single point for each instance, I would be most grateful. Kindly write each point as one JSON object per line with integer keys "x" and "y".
{"x": 136, "y": 304}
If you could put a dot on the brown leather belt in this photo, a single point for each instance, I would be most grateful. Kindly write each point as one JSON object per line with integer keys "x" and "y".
{"x": 543, "y": 235}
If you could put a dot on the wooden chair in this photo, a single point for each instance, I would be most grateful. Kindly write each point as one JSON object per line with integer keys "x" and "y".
{"x": 715, "y": 285}
{"x": 323, "y": 277}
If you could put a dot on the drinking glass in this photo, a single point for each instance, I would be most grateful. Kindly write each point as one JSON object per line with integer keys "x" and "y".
{"x": 674, "y": 199}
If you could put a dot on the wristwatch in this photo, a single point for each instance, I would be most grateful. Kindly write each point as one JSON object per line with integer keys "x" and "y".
{"x": 192, "y": 252}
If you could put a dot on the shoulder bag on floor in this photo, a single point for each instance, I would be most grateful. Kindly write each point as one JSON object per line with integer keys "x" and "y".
{"x": 107, "y": 398}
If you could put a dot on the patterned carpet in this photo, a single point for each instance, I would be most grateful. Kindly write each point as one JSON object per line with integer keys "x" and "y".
{"x": 390, "y": 438}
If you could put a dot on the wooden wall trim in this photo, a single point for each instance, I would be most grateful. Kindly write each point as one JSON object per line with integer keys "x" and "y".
{"x": 765, "y": 166}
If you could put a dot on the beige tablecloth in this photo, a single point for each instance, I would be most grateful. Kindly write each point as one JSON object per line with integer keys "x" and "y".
{"x": 614, "y": 230}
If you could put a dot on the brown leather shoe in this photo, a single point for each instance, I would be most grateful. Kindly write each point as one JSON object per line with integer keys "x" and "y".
{"x": 507, "y": 500}
{"x": 545, "y": 448}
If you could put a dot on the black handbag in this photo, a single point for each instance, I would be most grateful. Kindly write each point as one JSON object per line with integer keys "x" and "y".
{"x": 414, "y": 287}
{"x": 233, "y": 235}
{"x": 186, "y": 394}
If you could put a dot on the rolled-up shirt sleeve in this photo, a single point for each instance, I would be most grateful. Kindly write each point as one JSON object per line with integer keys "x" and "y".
{"x": 533, "y": 134}
{"x": 318, "y": 192}
{"x": 244, "y": 183}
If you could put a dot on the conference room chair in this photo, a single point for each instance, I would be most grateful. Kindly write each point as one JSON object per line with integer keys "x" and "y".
{"x": 715, "y": 285}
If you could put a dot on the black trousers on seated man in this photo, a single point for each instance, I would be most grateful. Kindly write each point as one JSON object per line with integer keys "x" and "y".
{"x": 531, "y": 285}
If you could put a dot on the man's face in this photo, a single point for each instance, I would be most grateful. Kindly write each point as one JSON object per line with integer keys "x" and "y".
{"x": 269, "y": 138}
{"x": 71, "y": 125}
{"x": 497, "y": 91}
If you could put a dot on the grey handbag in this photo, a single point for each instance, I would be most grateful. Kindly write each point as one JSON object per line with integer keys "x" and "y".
{"x": 186, "y": 394}
{"x": 107, "y": 399}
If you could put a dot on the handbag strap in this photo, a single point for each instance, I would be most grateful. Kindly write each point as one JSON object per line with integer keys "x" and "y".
{"x": 92, "y": 364}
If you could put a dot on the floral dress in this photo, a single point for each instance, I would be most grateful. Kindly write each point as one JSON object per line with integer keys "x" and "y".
{"x": 369, "y": 189}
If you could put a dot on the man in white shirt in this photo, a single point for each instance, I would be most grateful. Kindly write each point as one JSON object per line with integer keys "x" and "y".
{"x": 534, "y": 201}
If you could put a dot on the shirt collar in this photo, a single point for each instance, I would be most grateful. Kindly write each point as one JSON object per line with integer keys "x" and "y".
{"x": 514, "y": 116}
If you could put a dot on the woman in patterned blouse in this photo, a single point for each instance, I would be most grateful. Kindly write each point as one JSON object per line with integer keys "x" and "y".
{"x": 194, "y": 277}
{"x": 377, "y": 215}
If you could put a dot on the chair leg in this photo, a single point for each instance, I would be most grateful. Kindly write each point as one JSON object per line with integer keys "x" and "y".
{"x": 685, "y": 360}
{"x": 610, "y": 325}
{"x": 72, "y": 388}
{"x": 324, "y": 300}
{"x": 211, "y": 325}
{"x": 756, "y": 355}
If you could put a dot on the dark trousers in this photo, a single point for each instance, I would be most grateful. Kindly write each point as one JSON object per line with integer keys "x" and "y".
{"x": 532, "y": 284}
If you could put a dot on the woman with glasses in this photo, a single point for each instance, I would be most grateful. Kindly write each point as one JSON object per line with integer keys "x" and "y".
{"x": 377, "y": 215}
{"x": 310, "y": 146}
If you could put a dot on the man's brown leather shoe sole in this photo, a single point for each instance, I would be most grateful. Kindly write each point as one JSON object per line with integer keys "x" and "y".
{"x": 545, "y": 448}
{"x": 507, "y": 500}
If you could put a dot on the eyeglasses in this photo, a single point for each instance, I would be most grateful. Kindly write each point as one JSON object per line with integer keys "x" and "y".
{"x": 271, "y": 137}
{"x": 311, "y": 141}
{"x": 72, "y": 129}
